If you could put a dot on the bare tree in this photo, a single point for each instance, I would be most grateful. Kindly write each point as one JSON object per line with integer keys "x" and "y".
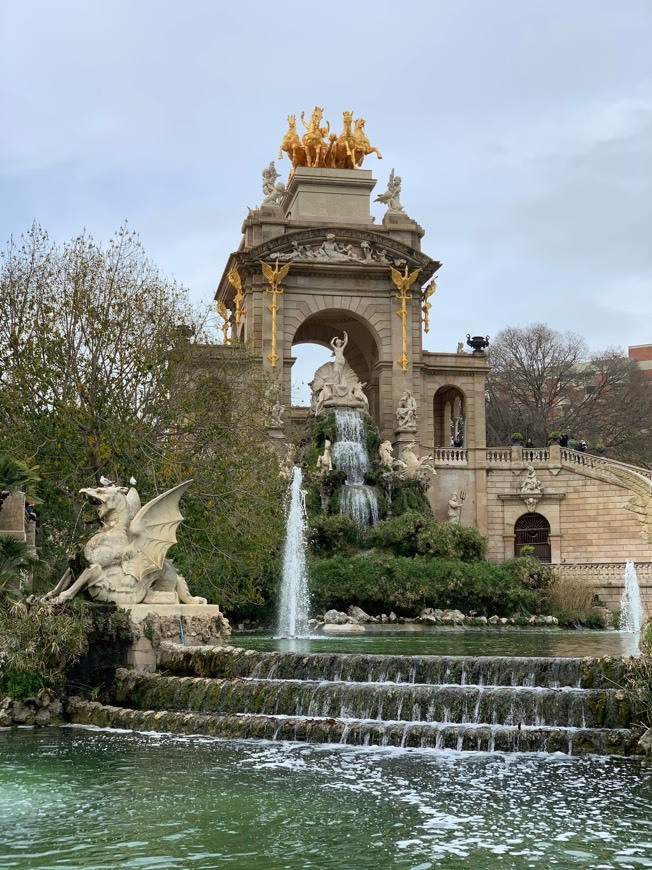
{"x": 542, "y": 381}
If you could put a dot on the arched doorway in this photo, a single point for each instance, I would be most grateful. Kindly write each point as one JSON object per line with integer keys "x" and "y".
{"x": 533, "y": 530}
{"x": 449, "y": 412}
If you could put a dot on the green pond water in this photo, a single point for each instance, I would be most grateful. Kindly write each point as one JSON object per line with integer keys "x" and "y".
{"x": 554, "y": 643}
{"x": 85, "y": 798}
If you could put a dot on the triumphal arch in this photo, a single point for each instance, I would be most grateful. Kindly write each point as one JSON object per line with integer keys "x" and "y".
{"x": 313, "y": 266}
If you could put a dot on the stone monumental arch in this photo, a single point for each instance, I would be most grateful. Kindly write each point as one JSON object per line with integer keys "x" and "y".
{"x": 338, "y": 272}
{"x": 313, "y": 266}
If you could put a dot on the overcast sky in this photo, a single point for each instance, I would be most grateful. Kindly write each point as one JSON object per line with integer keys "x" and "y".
{"x": 521, "y": 130}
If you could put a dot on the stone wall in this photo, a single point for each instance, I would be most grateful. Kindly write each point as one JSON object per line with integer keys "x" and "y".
{"x": 590, "y": 519}
{"x": 607, "y": 581}
{"x": 12, "y": 516}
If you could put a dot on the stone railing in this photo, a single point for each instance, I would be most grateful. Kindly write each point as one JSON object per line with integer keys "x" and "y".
{"x": 499, "y": 455}
{"x": 576, "y": 458}
{"x": 449, "y": 456}
{"x": 518, "y": 454}
{"x": 607, "y": 573}
{"x": 535, "y": 454}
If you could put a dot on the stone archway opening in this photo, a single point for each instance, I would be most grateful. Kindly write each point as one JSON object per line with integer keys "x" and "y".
{"x": 449, "y": 410}
{"x": 308, "y": 358}
{"x": 533, "y": 530}
{"x": 311, "y": 345}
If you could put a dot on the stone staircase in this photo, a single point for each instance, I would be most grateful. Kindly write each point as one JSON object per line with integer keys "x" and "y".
{"x": 486, "y": 704}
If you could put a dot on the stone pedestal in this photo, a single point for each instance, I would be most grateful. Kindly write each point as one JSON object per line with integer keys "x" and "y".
{"x": 189, "y": 624}
{"x": 335, "y": 195}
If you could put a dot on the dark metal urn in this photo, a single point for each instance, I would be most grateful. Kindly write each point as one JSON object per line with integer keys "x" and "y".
{"x": 478, "y": 342}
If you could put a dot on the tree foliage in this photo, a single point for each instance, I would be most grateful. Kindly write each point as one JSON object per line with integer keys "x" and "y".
{"x": 107, "y": 369}
{"x": 542, "y": 380}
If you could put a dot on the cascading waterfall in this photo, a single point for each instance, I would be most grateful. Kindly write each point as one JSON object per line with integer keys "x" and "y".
{"x": 439, "y": 702}
{"x": 294, "y": 608}
{"x": 631, "y": 606}
{"x": 357, "y": 500}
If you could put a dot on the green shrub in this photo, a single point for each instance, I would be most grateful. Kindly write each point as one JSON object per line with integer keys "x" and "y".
{"x": 372, "y": 436}
{"x": 639, "y": 687}
{"x": 324, "y": 427}
{"x": 38, "y": 640}
{"x": 398, "y": 534}
{"x": 409, "y": 495}
{"x": 417, "y": 534}
{"x": 379, "y": 582}
{"x": 332, "y": 534}
{"x": 469, "y": 543}
{"x": 578, "y": 618}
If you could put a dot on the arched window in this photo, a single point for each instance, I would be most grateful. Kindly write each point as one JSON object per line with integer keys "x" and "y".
{"x": 449, "y": 414}
{"x": 533, "y": 530}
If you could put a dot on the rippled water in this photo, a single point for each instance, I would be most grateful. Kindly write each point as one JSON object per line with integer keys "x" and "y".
{"x": 81, "y": 798}
{"x": 554, "y": 643}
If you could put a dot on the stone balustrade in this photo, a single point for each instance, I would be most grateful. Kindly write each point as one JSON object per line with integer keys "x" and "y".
{"x": 449, "y": 456}
{"x": 599, "y": 463}
{"x": 499, "y": 455}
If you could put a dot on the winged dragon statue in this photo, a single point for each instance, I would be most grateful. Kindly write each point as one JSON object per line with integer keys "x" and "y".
{"x": 127, "y": 557}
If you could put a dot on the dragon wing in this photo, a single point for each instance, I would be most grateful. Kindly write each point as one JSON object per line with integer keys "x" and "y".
{"x": 153, "y": 531}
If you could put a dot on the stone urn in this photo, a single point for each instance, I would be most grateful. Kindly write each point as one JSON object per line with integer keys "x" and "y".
{"x": 477, "y": 342}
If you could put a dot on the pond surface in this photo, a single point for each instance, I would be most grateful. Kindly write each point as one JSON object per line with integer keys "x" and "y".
{"x": 552, "y": 643}
{"x": 84, "y": 798}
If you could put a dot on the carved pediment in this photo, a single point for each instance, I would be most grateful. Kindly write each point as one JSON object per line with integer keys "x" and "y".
{"x": 339, "y": 246}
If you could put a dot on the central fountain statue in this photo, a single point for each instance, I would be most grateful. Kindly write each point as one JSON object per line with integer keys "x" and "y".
{"x": 335, "y": 384}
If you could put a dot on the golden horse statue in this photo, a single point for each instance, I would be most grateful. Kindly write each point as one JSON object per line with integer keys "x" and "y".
{"x": 292, "y": 146}
{"x": 345, "y": 150}
{"x": 362, "y": 145}
{"x": 313, "y": 138}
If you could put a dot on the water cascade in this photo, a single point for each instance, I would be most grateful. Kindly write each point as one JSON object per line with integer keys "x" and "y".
{"x": 631, "y": 606}
{"x": 438, "y": 702}
{"x": 357, "y": 500}
{"x": 294, "y": 608}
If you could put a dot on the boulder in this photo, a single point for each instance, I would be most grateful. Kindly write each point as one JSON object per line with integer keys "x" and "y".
{"x": 336, "y": 617}
{"x": 358, "y": 614}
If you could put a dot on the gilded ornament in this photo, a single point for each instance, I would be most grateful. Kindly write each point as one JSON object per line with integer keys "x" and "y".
{"x": 403, "y": 284}
{"x": 224, "y": 314}
{"x": 427, "y": 305}
{"x": 236, "y": 281}
{"x": 274, "y": 276}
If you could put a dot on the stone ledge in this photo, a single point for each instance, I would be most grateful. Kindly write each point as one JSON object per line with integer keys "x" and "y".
{"x": 138, "y": 612}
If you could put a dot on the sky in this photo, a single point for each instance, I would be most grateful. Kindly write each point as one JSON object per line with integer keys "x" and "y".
{"x": 521, "y": 129}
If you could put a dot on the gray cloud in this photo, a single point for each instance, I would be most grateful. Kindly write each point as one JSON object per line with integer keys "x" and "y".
{"x": 521, "y": 132}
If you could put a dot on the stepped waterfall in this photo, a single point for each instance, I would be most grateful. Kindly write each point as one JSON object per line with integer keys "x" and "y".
{"x": 465, "y": 703}
{"x": 357, "y": 500}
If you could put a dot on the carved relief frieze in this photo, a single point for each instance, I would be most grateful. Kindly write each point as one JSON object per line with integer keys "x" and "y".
{"x": 332, "y": 245}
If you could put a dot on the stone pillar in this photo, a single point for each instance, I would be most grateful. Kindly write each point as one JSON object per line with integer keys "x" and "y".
{"x": 447, "y": 425}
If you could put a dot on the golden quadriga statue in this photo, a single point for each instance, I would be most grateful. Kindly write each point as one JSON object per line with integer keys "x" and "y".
{"x": 321, "y": 148}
